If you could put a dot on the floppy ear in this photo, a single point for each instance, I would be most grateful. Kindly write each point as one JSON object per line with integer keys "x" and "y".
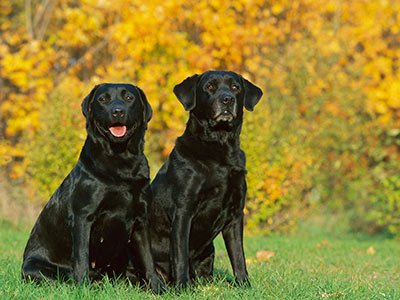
{"x": 252, "y": 94}
{"x": 186, "y": 92}
{"x": 147, "y": 112}
{"x": 86, "y": 108}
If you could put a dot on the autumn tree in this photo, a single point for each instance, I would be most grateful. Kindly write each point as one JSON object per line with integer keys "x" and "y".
{"x": 325, "y": 132}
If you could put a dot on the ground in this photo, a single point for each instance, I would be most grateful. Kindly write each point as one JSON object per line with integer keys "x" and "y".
{"x": 315, "y": 262}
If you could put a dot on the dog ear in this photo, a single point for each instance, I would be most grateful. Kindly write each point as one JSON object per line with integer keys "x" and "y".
{"x": 86, "y": 108}
{"x": 186, "y": 92}
{"x": 147, "y": 112}
{"x": 252, "y": 94}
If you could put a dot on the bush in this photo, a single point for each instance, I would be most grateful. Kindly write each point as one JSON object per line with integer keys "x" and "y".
{"x": 52, "y": 150}
{"x": 325, "y": 133}
{"x": 373, "y": 196}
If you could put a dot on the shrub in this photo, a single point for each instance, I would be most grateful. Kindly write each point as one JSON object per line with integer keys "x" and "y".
{"x": 324, "y": 134}
{"x": 52, "y": 150}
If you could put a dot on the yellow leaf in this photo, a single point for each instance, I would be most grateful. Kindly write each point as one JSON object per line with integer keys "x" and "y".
{"x": 326, "y": 295}
{"x": 371, "y": 251}
{"x": 277, "y": 9}
{"x": 324, "y": 244}
{"x": 264, "y": 255}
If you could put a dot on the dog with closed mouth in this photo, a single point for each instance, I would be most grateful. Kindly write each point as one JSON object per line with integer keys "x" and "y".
{"x": 96, "y": 222}
{"x": 200, "y": 190}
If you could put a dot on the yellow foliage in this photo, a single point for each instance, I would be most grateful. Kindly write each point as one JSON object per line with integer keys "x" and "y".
{"x": 303, "y": 51}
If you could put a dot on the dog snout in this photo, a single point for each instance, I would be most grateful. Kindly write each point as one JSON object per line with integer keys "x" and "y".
{"x": 118, "y": 112}
{"x": 228, "y": 99}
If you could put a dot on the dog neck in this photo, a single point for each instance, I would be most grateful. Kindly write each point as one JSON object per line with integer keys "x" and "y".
{"x": 115, "y": 161}
{"x": 211, "y": 132}
{"x": 203, "y": 143}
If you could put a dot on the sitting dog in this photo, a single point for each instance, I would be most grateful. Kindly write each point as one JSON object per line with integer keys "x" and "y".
{"x": 96, "y": 222}
{"x": 200, "y": 190}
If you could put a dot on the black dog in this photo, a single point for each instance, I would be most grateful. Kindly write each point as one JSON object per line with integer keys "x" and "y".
{"x": 96, "y": 222}
{"x": 200, "y": 190}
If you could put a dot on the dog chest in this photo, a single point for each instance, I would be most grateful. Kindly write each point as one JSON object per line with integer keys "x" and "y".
{"x": 219, "y": 199}
{"x": 221, "y": 182}
{"x": 108, "y": 239}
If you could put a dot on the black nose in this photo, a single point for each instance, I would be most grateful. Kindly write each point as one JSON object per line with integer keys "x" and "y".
{"x": 118, "y": 111}
{"x": 227, "y": 99}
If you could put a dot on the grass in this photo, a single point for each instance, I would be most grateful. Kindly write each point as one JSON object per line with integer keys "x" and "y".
{"x": 314, "y": 263}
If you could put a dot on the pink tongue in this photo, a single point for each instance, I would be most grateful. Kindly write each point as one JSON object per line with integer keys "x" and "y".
{"x": 118, "y": 131}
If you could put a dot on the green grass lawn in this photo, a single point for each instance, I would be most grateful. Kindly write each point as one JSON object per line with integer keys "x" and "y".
{"x": 313, "y": 263}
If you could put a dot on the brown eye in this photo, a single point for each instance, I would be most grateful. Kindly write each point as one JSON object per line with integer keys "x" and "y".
{"x": 210, "y": 87}
{"x": 129, "y": 98}
{"x": 235, "y": 87}
{"x": 102, "y": 99}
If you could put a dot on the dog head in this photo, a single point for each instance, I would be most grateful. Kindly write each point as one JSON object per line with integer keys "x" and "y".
{"x": 218, "y": 96}
{"x": 115, "y": 111}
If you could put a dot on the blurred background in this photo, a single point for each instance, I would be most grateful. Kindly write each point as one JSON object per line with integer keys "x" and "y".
{"x": 323, "y": 141}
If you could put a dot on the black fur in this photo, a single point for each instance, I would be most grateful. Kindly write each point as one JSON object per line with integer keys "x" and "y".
{"x": 200, "y": 190}
{"x": 96, "y": 222}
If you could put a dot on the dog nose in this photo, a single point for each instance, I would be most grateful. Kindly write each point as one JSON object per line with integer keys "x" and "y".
{"x": 226, "y": 99}
{"x": 118, "y": 111}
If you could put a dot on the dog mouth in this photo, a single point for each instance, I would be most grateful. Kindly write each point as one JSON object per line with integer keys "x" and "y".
{"x": 224, "y": 116}
{"x": 118, "y": 130}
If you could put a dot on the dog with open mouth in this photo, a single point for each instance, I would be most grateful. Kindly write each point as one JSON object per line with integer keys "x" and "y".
{"x": 96, "y": 222}
{"x": 200, "y": 190}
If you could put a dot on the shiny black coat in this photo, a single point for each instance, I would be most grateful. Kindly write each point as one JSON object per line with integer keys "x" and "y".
{"x": 96, "y": 222}
{"x": 200, "y": 190}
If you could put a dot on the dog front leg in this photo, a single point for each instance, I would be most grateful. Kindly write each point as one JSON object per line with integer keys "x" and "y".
{"x": 180, "y": 247}
{"x": 233, "y": 237}
{"x": 141, "y": 246}
{"x": 80, "y": 248}
{"x": 143, "y": 255}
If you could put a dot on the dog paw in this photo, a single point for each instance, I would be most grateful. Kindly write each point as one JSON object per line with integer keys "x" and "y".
{"x": 183, "y": 283}
{"x": 242, "y": 282}
{"x": 82, "y": 280}
{"x": 157, "y": 286}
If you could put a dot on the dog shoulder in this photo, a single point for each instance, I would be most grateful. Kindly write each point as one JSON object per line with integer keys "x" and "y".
{"x": 184, "y": 164}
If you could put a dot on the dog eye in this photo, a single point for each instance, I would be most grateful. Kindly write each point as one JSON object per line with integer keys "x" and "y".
{"x": 210, "y": 86}
{"x": 103, "y": 99}
{"x": 129, "y": 98}
{"x": 235, "y": 87}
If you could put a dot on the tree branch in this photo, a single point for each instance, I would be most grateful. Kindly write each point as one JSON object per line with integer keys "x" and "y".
{"x": 40, "y": 12}
{"x": 28, "y": 17}
{"x": 83, "y": 58}
{"x": 46, "y": 18}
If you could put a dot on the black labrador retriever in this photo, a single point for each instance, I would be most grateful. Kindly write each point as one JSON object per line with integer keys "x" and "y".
{"x": 200, "y": 190}
{"x": 96, "y": 222}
